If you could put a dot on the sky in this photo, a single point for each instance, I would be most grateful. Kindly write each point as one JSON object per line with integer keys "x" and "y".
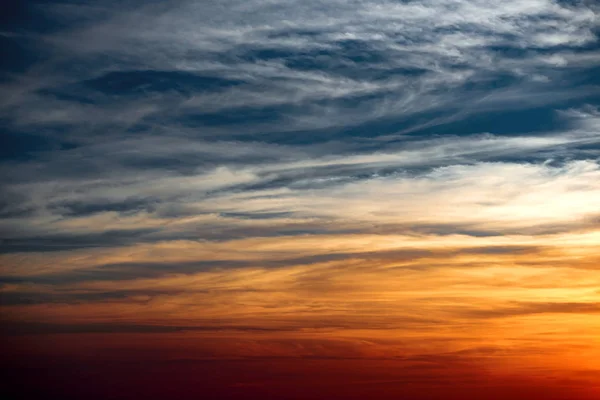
{"x": 300, "y": 200}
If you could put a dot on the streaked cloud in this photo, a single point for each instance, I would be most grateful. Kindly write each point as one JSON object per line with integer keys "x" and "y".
{"x": 413, "y": 184}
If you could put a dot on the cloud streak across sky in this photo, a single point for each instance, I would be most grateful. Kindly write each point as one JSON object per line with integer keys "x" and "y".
{"x": 413, "y": 184}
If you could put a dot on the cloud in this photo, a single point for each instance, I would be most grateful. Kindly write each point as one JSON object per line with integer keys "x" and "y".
{"x": 229, "y": 187}
{"x": 523, "y": 309}
{"x": 404, "y": 57}
{"x": 412, "y": 182}
{"x": 42, "y": 328}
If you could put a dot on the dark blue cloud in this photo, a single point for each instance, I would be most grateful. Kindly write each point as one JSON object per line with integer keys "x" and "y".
{"x": 18, "y": 54}
{"x": 77, "y": 209}
{"x": 238, "y": 116}
{"x": 72, "y": 241}
{"x": 124, "y": 83}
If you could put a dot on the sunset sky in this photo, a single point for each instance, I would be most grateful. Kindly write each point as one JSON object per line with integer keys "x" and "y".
{"x": 300, "y": 199}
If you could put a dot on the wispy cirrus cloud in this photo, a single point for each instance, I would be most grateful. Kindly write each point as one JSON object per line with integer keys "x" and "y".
{"x": 412, "y": 57}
